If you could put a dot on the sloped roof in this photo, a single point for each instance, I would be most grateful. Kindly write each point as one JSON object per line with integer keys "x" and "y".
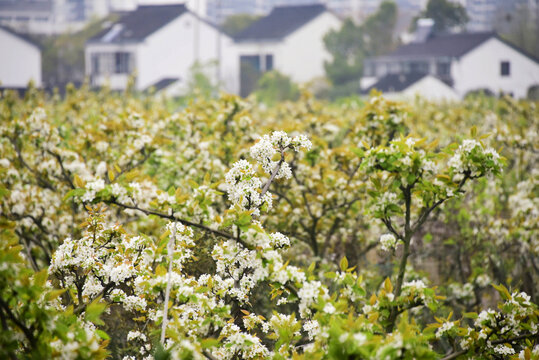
{"x": 140, "y": 23}
{"x": 162, "y": 84}
{"x": 396, "y": 82}
{"x": 23, "y": 37}
{"x": 281, "y": 21}
{"x": 450, "y": 45}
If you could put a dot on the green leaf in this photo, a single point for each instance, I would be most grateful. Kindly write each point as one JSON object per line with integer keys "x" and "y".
{"x": 330, "y": 275}
{"x": 209, "y": 343}
{"x": 344, "y": 263}
{"x": 74, "y": 193}
{"x": 103, "y": 335}
{"x": 94, "y": 311}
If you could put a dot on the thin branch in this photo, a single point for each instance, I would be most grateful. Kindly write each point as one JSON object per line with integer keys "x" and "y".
{"x": 182, "y": 221}
{"x": 273, "y": 174}
{"x": 27, "y": 332}
{"x": 64, "y": 172}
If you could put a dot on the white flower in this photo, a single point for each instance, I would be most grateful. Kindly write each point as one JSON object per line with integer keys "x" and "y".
{"x": 329, "y": 308}
{"x": 388, "y": 242}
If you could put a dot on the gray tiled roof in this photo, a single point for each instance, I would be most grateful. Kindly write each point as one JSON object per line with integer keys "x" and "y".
{"x": 140, "y": 23}
{"x": 280, "y": 22}
{"x": 396, "y": 82}
{"x": 450, "y": 45}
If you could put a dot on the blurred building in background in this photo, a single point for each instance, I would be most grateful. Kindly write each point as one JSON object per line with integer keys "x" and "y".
{"x": 56, "y": 16}
{"x": 22, "y": 63}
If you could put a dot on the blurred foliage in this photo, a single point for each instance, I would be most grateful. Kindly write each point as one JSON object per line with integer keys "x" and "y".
{"x": 234, "y": 24}
{"x": 274, "y": 87}
{"x": 445, "y": 13}
{"x": 351, "y": 44}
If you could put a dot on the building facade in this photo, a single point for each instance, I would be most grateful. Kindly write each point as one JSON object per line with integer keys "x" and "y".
{"x": 21, "y": 64}
{"x": 160, "y": 44}
{"x": 467, "y": 62}
{"x": 289, "y": 40}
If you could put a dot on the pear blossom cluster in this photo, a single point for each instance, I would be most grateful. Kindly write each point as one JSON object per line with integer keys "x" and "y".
{"x": 388, "y": 242}
{"x": 242, "y": 184}
{"x": 474, "y": 158}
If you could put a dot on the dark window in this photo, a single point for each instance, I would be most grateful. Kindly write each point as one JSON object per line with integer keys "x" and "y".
{"x": 250, "y": 72}
{"x": 269, "y": 62}
{"x": 505, "y": 68}
{"x": 95, "y": 64}
{"x": 121, "y": 63}
{"x": 421, "y": 67}
{"x": 443, "y": 68}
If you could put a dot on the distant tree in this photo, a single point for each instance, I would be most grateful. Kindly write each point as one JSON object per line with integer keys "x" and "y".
{"x": 446, "y": 15}
{"x": 351, "y": 44}
{"x": 521, "y": 28}
{"x": 233, "y": 24}
{"x": 347, "y": 48}
{"x": 378, "y": 29}
{"x": 63, "y": 54}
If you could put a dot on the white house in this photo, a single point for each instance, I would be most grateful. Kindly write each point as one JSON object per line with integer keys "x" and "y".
{"x": 290, "y": 40}
{"x": 408, "y": 86}
{"x": 466, "y": 61}
{"x": 20, "y": 60}
{"x": 159, "y": 44}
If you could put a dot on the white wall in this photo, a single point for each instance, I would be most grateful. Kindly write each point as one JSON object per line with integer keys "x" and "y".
{"x": 431, "y": 89}
{"x": 171, "y": 51}
{"x": 20, "y": 61}
{"x": 303, "y": 52}
{"x": 480, "y": 69}
{"x": 300, "y": 55}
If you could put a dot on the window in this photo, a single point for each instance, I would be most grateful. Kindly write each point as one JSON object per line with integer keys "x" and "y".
{"x": 121, "y": 63}
{"x": 421, "y": 67}
{"x": 269, "y": 62}
{"x": 443, "y": 68}
{"x": 95, "y": 64}
{"x": 111, "y": 63}
{"x": 505, "y": 68}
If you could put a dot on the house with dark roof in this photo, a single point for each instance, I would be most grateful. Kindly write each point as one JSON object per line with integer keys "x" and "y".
{"x": 159, "y": 45}
{"x": 465, "y": 61}
{"x": 407, "y": 86}
{"x": 20, "y": 60}
{"x": 290, "y": 40}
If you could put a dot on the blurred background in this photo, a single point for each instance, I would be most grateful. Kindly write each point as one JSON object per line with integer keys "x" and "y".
{"x": 272, "y": 48}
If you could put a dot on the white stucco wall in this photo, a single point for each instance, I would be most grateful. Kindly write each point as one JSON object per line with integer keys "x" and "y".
{"x": 303, "y": 52}
{"x": 20, "y": 61}
{"x": 480, "y": 69}
{"x": 431, "y": 89}
{"x": 171, "y": 52}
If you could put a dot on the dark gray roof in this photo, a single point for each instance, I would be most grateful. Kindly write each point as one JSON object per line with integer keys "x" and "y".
{"x": 22, "y": 5}
{"x": 140, "y": 23}
{"x": 396, "y": 82}
{"x": 162, "y": 84}
{"x": 24, "y": 37}
{"x": 450, "y": 45}
{"x": 280, "y": 22}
